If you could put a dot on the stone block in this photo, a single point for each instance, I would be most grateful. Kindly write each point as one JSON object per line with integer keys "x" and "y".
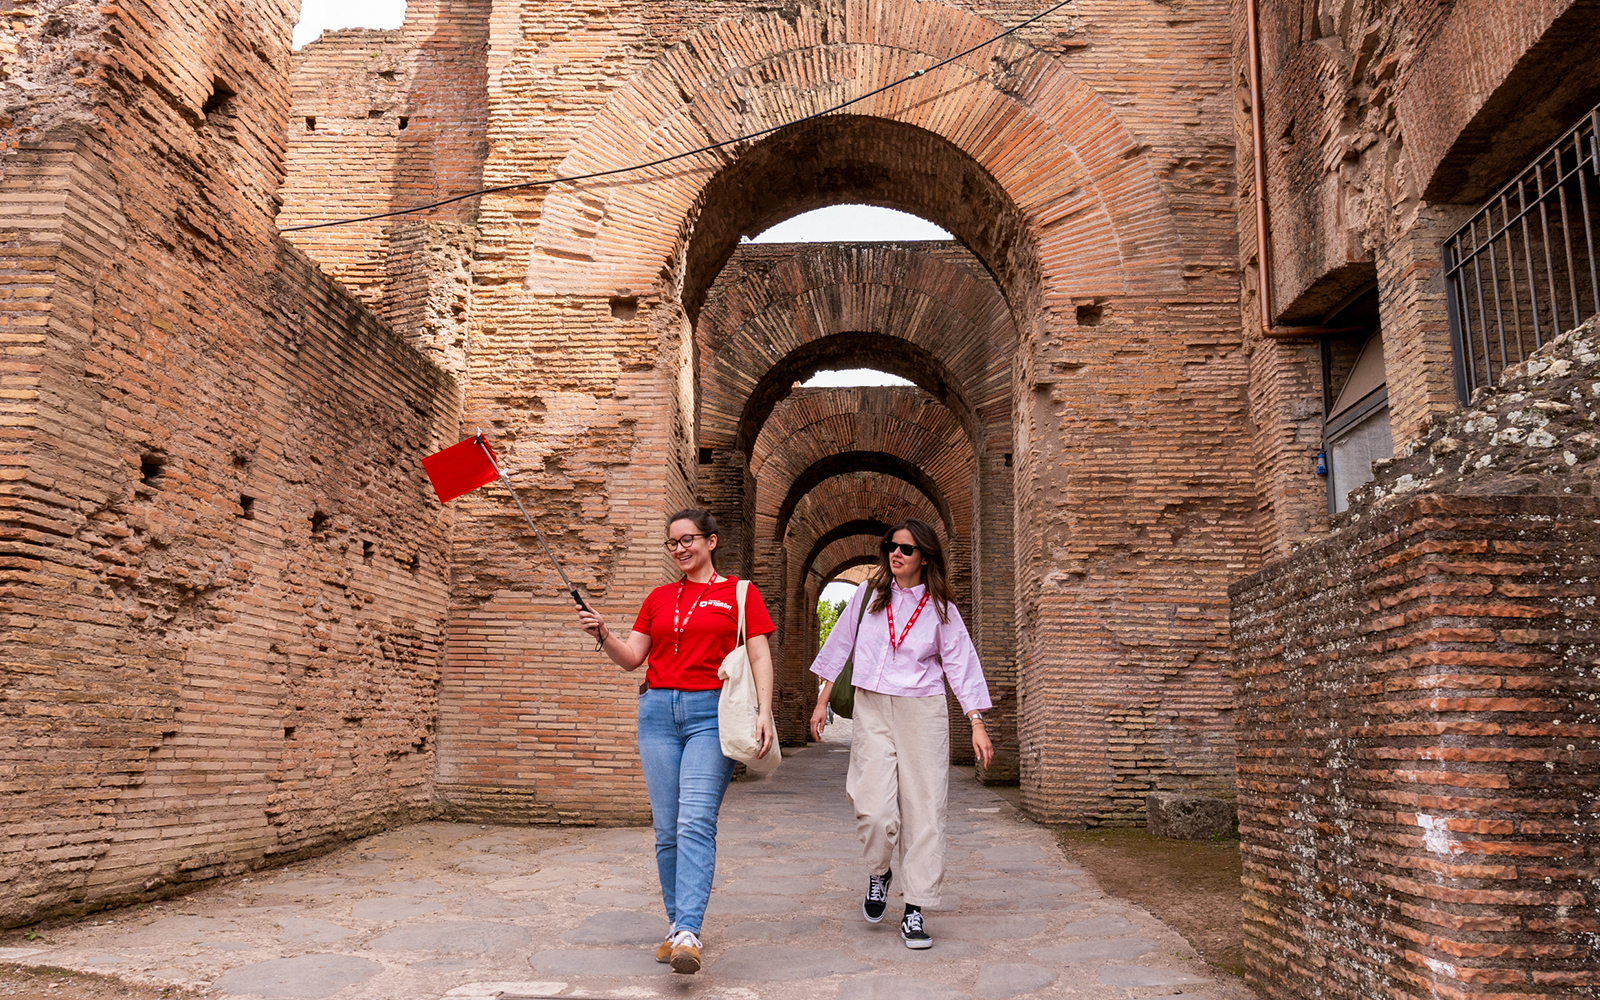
{"x": 1184, "y": 816}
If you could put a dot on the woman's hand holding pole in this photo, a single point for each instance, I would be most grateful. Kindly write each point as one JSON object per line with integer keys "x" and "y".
{"x": 627, "y": 655}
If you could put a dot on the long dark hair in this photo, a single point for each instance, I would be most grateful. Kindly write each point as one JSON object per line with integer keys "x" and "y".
{"x": 704, "y": 522}
{"x": 933, "y": 573}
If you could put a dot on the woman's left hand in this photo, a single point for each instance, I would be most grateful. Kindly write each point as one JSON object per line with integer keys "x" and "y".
{"x": 764, "y": 734}
{"x": 981, "y": 745}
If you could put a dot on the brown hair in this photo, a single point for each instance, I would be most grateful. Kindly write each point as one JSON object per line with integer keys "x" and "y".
{"x": 704, "y": 522}
{"x": 933, "y": 572}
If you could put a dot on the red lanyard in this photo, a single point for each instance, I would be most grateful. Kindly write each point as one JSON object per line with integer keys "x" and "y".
{"x": 677, "y": 628}
{"x": 894, "y": 644}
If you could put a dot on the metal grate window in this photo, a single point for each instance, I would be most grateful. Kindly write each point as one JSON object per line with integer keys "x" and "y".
{"x": 1525, "y": 268}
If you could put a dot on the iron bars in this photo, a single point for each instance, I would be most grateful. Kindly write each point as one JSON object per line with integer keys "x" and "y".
{"x": 1524, "y": 268}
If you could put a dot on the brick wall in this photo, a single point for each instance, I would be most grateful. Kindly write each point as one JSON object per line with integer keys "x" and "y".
{"x": 1419, "y": 770}
{"x": 224, "y": 579}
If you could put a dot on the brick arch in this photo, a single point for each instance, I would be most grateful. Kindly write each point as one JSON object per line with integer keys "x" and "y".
{"x": 809, "y": 430}
{"x": 781, "y": 312}
{"x": 1008, "y": 149}
{"x": 856, "y": 500}
{"x": 824, "y": 470}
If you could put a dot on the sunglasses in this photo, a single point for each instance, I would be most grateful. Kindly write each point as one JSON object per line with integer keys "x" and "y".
{"x": 906, "y": 549}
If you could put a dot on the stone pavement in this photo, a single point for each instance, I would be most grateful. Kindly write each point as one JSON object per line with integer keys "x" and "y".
{"x": 468, "y": 912}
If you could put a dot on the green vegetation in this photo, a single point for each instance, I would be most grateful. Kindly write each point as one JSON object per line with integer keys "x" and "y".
{"x": 827, "y": 614}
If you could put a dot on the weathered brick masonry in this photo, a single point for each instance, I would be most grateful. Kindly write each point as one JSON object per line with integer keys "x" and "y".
{"x": 224, "y": 583}
{"x": 1419, "y": 755}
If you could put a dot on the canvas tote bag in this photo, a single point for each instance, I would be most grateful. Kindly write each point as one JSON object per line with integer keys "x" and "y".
{"x": 738, "y": 707}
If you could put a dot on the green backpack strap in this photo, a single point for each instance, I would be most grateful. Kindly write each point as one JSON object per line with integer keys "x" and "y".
{"x": 843, "y": 697}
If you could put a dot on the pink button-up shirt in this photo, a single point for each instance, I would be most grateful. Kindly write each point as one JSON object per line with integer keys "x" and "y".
{"x": 933, "y": 651}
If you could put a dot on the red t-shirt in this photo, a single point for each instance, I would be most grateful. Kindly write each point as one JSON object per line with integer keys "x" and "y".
{"x": 709, "y": 634}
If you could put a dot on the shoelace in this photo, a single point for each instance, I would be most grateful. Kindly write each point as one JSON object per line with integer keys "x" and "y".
{"x": 914, "y": 921}
{"x": 683, "y": 938}
{"x": 877, "y": 888}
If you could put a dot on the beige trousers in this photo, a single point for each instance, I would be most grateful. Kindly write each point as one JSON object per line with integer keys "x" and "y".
{"x": 899, "y": 782}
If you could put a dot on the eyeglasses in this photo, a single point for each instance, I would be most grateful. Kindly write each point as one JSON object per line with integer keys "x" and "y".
{"x": 905, "y": 548}
{"x": 682, "y": 542}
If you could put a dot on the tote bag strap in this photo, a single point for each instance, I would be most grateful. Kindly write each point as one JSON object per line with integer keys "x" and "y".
{"x": 861, "y": 613}
{"x": 742, "y": 588}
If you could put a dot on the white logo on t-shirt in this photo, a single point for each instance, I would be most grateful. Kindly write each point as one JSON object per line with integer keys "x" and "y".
{"x": 717, "y": 604}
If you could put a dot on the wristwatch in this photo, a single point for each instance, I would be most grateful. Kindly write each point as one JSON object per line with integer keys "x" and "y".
{"x": 975, "y": 717}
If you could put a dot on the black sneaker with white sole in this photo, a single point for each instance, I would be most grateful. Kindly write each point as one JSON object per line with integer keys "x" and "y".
{"x": 877, "y": 900}
{"x": 911, "y": 931}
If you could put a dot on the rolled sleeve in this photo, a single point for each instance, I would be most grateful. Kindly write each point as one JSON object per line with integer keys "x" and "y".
{"x": 961, "y": 667}
{"x": 841, "y": 640}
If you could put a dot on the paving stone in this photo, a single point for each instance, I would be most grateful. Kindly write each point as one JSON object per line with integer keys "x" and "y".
{"x": 736, "y": 904}
{"x": 771, "y": 886}
{"x": 424, "y": 887}
{"x": 886, "y": 946}
{"x": 534, "y": 881}
{"x": 594, "y": 962}
{"x": 766, "y": 930}
{"x": 11, "y": 954}
{"x": 488, "y": 843}
{"x": 1015, "y": 852}
{"x": 367, "y": 869}
{"x": 1099, "y": 927}
{"x": 312, "y": 930}
{"x": 770, "y": 963}
{"x": 229, "y": 945}
{"x": 622, "y": 900}
{"x": 472, "y": 936}
{"x": 890, "y": 987}
{"x": 173, "y": 928}
{"x": 393, "y": 909}
{"x": 392, "y": 855}
{"x": 309, "y": 887}
{"x": 983, "y": 928}
{"x": 107, "y": 959}
{"x": 1016, "y": 888}
{"x": 443, "y": 965}
{"x": 480, "y": 865}
{"x": 1095, "y": 950}
{"x": 303, "y": 977}
{"x": 1143, "y": 975}
{"x": 618, "y": 927}
{"x": 996, "y": 982}
{"x": 491, "y": 908}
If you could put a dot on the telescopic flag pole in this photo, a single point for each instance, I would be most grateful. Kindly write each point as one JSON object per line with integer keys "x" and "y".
{"x": 504, "y": 478}
{"x": 459, "y": 469}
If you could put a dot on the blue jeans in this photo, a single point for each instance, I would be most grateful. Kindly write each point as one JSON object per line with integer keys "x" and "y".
{"x": 686, "y": 774}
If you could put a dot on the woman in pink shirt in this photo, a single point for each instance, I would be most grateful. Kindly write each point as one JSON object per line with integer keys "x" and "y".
{"x": 900, "y": 748}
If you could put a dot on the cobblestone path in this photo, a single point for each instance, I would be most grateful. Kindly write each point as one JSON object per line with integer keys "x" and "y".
{"x": 463, "y": 911}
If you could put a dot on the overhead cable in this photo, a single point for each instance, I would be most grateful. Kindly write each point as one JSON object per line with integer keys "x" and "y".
{"x": 746, "y": 137}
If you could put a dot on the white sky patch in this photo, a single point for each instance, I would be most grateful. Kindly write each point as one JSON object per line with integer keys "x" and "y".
{"x": 838, "y": 591}
{"x": 852, "y": 224}
{"x": 848, "y": 377}
{"x": 317, "y": 16}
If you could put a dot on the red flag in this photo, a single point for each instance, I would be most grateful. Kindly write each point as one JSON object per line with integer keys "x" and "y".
{"x": 461, "y": 468}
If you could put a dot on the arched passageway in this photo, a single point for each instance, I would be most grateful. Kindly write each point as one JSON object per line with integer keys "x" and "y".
{"x": 927, "y": 312}
{"x": 1080, "y": 337}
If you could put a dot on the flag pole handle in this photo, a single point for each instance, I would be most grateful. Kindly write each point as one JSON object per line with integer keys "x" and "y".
{"x": 576, "y": 597}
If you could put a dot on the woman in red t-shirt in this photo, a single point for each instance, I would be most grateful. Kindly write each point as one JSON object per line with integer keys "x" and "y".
{"x": 684, "y": 629}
